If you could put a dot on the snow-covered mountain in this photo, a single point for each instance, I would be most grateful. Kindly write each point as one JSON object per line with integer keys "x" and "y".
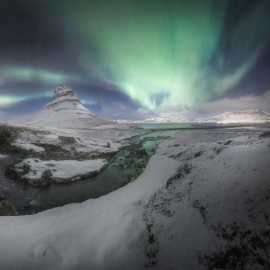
{"x": 66, "y": 111}
{"x": 246, "y": 116}
{"x": 169, "y": 117}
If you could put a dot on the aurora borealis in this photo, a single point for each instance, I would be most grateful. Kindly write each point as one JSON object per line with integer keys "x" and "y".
{"x": 127, "y": 57}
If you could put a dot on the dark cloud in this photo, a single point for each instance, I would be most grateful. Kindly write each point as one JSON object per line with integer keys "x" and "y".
{"x": 245, "y": 35}
{"x": 32, "y": 35}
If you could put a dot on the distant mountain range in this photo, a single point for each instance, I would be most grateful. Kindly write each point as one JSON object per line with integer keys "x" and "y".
{"x": 245, "y": 116}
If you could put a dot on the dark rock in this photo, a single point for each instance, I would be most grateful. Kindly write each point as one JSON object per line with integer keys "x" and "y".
{"x": 152, "y": 247}
{"x": 202, "y": 209}
{"x": 7, "y": 136}
{"x": 218, "y": 150}
{"x": 25, "y": 169}
{"x": 2, "y": 196}
{"x": 56, "y": 152}
{"x": 265, "y": 134}
{"x": 198, "y": 154}
{"x": 7, "y": 208}
{"x": 243, "y": 248}
{"x": 11, "y": 173}
{"x": 46, "y": 178}
{"x": 228, "y": 142}
{"x": 16, "y": 174}
{"x": 181, "y": 172}
{"x": 67, "y": 140}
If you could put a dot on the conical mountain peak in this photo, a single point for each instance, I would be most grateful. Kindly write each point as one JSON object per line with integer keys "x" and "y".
{"x": 66, "y": 110}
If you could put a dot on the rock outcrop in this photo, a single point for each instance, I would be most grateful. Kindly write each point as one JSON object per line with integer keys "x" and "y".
{"x": 43, "y": 173}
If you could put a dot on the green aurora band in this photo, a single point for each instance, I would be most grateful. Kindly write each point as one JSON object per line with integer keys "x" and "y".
{"x": 160, "y": 53}
{"x": 156, "y": 52}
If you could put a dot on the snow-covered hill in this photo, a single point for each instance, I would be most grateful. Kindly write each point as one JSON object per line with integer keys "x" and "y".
{"x": 66, "y": 111}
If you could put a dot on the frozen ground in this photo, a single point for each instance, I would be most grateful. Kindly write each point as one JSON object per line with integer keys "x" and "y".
{"x": 202, "y": 192}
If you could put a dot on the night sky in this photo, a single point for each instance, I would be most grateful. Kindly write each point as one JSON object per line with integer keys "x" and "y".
{"x": 134, "y": 58}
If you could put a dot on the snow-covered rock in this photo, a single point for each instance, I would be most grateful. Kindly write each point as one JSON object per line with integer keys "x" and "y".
{"x": 29, "y": 147}
{"x": 39, "y": 172}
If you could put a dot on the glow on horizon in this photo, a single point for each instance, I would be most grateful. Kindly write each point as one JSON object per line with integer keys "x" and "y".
{"x": 29, "y": 73}
{"x": 6, "y": 101}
